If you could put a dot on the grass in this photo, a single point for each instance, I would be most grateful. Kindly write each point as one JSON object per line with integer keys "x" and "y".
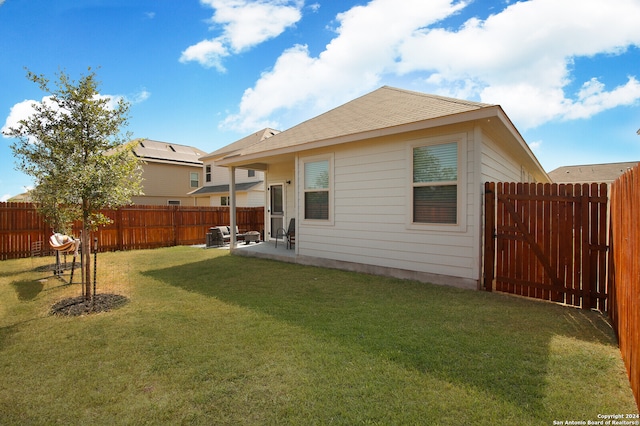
{"x": 209, "y": 338}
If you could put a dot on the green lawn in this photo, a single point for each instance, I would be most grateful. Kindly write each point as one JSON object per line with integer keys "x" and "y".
{"x": 209, "y": 338}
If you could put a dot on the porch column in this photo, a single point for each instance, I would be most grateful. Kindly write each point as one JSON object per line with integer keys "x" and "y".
{"x": 232, "y": 206}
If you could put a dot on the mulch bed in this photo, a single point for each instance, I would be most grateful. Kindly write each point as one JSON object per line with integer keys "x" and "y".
{"x": 76, "y": 306}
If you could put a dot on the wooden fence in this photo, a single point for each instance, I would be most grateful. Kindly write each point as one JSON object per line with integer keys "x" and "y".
{"x": 133, "y": 227}
{"x": 624, "y": 272}
{"x": 547, "y": 241}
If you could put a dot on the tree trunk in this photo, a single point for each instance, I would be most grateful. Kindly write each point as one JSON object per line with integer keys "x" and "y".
{"x": 86, "y": 258}
{"x": 86, "y": 248}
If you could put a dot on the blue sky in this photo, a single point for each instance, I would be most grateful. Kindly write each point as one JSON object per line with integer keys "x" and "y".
{"x": 206, "y": 73}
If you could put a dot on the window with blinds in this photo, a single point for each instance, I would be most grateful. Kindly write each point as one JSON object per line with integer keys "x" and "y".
{"x": 316, "y": 190}
{"x": 435, "y": 184}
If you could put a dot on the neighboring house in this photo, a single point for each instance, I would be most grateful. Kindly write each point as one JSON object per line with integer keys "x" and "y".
{"x": 25, "y": 197}
{"x": 249, "y": 183}
{"x": 390, "y": 183}
{"x": 589, "y": 173}
{"x": 170, "y": 172}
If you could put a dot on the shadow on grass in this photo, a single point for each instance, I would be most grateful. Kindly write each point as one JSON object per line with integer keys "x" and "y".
{"x": 28, "y": 289}
{"x": 494, "y": 343}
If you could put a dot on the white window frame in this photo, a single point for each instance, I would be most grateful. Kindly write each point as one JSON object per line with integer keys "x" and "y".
{"x": 314, "y": 159}
{"x": 207, "y": 173}
{"x": 174, "y": 203}
{"x": 197, "y": 179}
{"x": 461, "y": 195}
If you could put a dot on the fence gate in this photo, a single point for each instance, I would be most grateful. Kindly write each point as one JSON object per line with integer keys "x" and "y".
{"x": 547, "y": 241}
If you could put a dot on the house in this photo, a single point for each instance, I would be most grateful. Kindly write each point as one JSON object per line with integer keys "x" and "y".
{"x": 390, "y": 183}
{"x": 249, "y": 183}
{"x": 170, "y": 172}
{"x": 588, "y": 173}
{"x": 25, "y": 197}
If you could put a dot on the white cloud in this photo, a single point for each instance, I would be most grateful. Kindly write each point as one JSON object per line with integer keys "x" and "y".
{"x": 5, "y": 197}
{"x": 208, "y": 53}
{"x": 592, "y": 98}
{"x": 364, "y": 49}
{"x": 535, "y": 146}
{"x": 23, "y": 110}
{"x": 139, "y": 97}
{"x": 245, "y": 24}
{"x": 20, "y": 111}
{"x": 521, "y": 57}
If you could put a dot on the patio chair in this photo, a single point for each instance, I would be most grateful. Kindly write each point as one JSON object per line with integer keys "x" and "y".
{"x": 289, "y": 234}
{"x": 221, "y": 235}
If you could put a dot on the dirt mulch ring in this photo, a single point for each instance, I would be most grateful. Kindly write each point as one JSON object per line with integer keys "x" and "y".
{"x": 76, "y": 306}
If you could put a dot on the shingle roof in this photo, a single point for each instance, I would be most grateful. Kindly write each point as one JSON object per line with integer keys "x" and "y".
{"x": 214, "y": 189}
{"x": 165, "y": 152}
{"x": 588, "y": 173}
{"x": 382, "y": 108}
{"x": 242, "y": 143}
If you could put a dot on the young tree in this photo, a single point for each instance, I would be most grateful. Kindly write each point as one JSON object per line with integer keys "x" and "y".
{"x": 73, "y": 147}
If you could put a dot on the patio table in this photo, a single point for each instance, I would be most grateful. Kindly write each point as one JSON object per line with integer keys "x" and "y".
{"x": 251, "y": 236}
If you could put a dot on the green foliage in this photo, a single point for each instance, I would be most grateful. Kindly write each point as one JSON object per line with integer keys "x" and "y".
{"x": 73, "y": 148}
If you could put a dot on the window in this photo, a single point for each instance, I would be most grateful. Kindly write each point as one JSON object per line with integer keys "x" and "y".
{"x": 316, "y": 190}
{"x": 435, "y": 184}
{"x": 207, "y": 173}
{"x": 195, "y": 180}
{"x": 224, "y": 201}
{"x": 251, "y": 173}
{"x": 173, "y": 202}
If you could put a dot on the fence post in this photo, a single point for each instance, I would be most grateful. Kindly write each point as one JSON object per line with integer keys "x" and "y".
{"x": 119, "y": 236}
{"x": 586, "y": 249}
{"x": 489, "y": 230}
{"x": 175, "y": 219}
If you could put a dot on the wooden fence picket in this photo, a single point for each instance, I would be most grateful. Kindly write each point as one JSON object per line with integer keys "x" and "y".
{"x": 624, "y": 285}
{"x": 133, "y": 227}
{"x": 549, "y": 242}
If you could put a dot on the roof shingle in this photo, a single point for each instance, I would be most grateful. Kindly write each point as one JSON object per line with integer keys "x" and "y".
{"x": 589, "y": 173}
{"x": 382, "y": 108}
{"x": 166, "y": 152}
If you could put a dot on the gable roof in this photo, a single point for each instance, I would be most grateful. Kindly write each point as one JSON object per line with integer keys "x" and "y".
{"x": 384, "y": 112}
{"x": 164, "y": 152}
{"x": 245, "y": 142}
{"x": 588, "y": 173}
{"x": 383, "y": 108}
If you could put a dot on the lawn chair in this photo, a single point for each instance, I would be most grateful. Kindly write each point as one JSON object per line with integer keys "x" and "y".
{"x": 289, "y": 234}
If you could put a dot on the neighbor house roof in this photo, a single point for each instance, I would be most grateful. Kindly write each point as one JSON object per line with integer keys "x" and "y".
{"x": 223, "y": 189}
{"x": 165, "y": 152}
{"x": 588, "y": 173}
{"x": 242, "y": 143}
{"x": 382, "y": 108}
